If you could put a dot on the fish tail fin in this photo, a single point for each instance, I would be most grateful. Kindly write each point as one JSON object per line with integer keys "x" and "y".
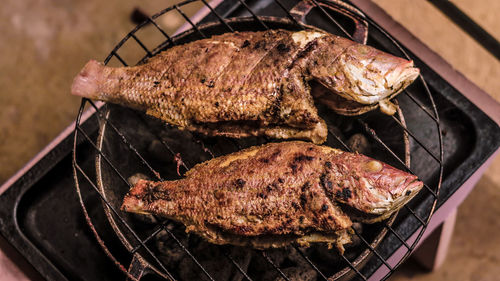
{"x": 145, "y": 196}
{"x": 88, "y": 82}
{"x": 133, "y": 201}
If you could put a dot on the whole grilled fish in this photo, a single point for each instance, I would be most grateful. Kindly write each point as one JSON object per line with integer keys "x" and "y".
{"x": 277, "y": 194}
{"x": 253, "y": 83}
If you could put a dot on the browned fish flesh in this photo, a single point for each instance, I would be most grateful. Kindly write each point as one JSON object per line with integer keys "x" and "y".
{"x": 253, "y": 83}
{"x": 277, "y": 194}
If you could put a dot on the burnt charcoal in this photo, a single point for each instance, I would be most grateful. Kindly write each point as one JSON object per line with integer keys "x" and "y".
{"x": 268, "y": 275}
{"x": 148, "y": 219}
{"x": 182, "y": 142}
{"x": 346, "y": 124}
{"x": 170, "y": 253}
{"x": 359, "y": 143}
{"x": 212, "y": 258}
{"x": 336, "y": 131}
{"x": 298, "y": 274}
{"x": 157, "y": 150}
{"x": 262, "y": 268}
{"x": 327, "y": 260}
{"x": 243, "y": 262}
{"x": 355, "y": 238}
{"x": 287, "y": 259}
{"x": 278, "y": 256}
{"x": 294, "y": 258}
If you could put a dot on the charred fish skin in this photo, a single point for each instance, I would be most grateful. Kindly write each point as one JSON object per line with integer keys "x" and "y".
{"x": 252, "y": 83}
{"x": 277, "y": 194}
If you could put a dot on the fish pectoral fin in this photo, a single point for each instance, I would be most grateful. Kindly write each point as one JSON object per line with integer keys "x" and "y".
{"x": 387, "y": 107}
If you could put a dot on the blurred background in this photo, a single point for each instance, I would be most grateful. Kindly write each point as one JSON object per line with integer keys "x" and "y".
{"x": 46, "y": 42}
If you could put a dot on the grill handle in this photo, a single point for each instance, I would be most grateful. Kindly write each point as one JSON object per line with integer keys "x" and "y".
{"x": 300, "y": 11}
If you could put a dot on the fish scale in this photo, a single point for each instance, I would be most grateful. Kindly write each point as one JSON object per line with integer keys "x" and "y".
{"x": 276, "y": 194}
{"x": 254, "y": 83}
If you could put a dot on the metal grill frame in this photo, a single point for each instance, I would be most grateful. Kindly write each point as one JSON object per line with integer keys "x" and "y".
{"x": 79, "y": 131}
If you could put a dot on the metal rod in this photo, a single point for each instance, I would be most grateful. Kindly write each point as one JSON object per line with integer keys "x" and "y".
{"x": 96, "y": 234}
{"x": 126, "y": 142}
{"x": 398, "y": 236}
{"x": 416, "y": 139}
{"x": 353, "y": 267}
{"x": 422, "y": 222}
{"x": 288, "y": 13}
{"x": 253, "y": 14}
{"x": 228, "y": 255}
{"x": 189, "y": 253}
{"x": 141, "y": 44}
{"x": 346, "y": 147}
{"x": 414, "y": 99}
{"x": 269, "y": 260}
{"x": 189, "y": 21}
{"x": 79, "y": 129}
{"x": 218, "y": 16}
{"x": 143, "y": 121}
{"x": 310, "y": 263}
{"x": 333, "y": 20}
{"x": 372, "y": 249}
{"x": 151, "y": 20}
{"x": 373, "y": 134}
{"x": 119, "y": 58}
{"x": 151, "y": 236}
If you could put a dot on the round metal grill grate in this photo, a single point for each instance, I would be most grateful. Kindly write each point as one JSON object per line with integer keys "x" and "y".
{"x": 124, "y": 143}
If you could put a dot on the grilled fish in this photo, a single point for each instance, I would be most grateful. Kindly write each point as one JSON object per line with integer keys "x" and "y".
{"x": 253, "y": 83}
{"x": 276, "y": 194}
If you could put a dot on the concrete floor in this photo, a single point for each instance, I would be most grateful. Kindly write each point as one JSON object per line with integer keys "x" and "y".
{"x": 45, "y": 43}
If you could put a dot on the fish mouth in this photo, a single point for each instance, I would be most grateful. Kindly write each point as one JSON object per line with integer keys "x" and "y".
{"x": 380, "y": 82}
{"x": 415, "y": 185}
{"x": 401, "y": 77}
{"x": 410, "y": 191}
{"x": 384, "y": 209}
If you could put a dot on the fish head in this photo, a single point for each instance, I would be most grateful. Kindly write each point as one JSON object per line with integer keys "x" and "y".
{"x": 371, "y": 190}
{"x": 368, "y": 77}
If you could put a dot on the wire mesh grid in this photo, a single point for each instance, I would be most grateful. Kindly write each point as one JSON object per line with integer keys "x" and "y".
{"x": 141, "y": 243}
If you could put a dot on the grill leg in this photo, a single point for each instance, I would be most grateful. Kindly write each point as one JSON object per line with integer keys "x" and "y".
{"x": 432, "y": 252}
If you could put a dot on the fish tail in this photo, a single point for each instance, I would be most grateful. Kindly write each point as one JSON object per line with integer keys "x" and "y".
{"x": 88, "y": 82}
{"x": 133, "y": 201}
{"x": 145, "y": 195}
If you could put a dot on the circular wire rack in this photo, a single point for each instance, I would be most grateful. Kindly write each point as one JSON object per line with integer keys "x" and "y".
{"x": 417, "y": 98}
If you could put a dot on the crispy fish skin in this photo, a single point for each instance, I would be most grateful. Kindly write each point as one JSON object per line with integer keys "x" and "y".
{"x": 277, "y": 194}
{"x": 252, "y": 83}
